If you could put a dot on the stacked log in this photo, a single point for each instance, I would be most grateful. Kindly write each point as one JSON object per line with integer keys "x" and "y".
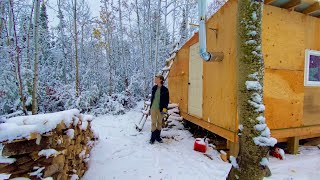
{"x": 174, "y": 118}
{"x": 61, "y": 153}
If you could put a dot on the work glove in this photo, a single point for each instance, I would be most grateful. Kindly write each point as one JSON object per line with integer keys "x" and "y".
{"x": 164, "y": 113}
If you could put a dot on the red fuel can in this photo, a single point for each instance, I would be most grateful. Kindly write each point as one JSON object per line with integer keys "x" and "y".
{"x": 200, "y": 145}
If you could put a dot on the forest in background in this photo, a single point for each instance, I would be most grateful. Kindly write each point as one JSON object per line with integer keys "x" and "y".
{"x": 96, "y": 64}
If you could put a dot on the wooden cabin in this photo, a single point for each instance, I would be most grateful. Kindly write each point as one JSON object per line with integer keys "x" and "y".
{"x": 207, "y": 91}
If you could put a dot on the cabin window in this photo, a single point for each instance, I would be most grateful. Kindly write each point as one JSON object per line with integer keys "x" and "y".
{"x": 312, "y": 68}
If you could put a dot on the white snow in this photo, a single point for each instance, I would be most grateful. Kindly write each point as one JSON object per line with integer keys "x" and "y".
{"x": 233, "y": 161}
{"x": 171, "y": 57}
{"x": 253, "y": 85}
{"x": 266, "y": 132}
{"x": 259, "y": 107}
{"x": 166, "y": 68}
{"x": 145, "y": 112}
{"x": 240, "y": 127}
{"x": 82, "y": 154}
{"x": 23, "y": 126}
{"x": 252, "y": 33}
{"x": 261, "y": 119}
{"x": 170, "y": 106}
{"x": 260, "y": 127}
{"x": 174, "y": 110}
{"x": 264, "y": 162}
{"x": 256, "y": 53}
{"x": 85, "y": 117}
{"x": 37, "y": 172}
{"x": 84, "y": 125}
{"x": 48, "y": 152}
{"x": 177, "y": 118}
{"x": 201, "y": 141}
{"x": 254, "y": 16}
{"x": 70, "y": 133}
{"x": 254, "y": 76}
{"x": 59, "y": 141}
{"x": 148, "y": 103}
{"x": 250, "y": 42}
{"x": 4, "y": 160}
{"x": 223, "y": 152}
{"x": 281, "y": 152}
{"x": 258, "y": 48}
{"x": 75, "y": 121}
{"x": 124, "y": 153}
{"x": 264, "y": 141}
{"x": 74, "y": 177}
{"x": 256, "y": 98}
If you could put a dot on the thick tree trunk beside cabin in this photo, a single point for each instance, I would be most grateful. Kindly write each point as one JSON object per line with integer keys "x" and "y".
{"x": 250, "y": 76}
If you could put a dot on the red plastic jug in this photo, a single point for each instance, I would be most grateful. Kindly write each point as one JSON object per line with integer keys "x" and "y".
{"x": 200, "y": 145}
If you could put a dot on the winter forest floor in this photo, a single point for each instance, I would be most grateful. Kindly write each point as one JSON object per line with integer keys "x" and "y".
{"x": 124, "y": 153}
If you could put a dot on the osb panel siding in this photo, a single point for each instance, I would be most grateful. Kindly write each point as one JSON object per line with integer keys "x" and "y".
{"x": 220, "y": 101}
{"x": 283, "y": 97}
{"x": 286, "y": 36}
{"x": 178, "y": 79}
{"x": 311, "y": 106}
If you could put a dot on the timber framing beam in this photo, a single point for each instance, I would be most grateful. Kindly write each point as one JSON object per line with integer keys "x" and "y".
{"x": 269, "y": 1}
{"x": 313, "y": 8}
{"x": 291, "y": 4}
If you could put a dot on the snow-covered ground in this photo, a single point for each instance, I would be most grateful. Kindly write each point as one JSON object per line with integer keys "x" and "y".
{"x": 124, "y": 153}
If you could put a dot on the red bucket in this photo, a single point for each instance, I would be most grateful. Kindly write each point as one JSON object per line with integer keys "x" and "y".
{"x": 200, "y": 145}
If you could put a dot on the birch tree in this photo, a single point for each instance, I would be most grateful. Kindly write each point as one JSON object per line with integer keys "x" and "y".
{"x": 76, "y": 47}
{"x": 13, "y": 28}
{"x": 254, "y": 135}
{"x": 36, "y": 57}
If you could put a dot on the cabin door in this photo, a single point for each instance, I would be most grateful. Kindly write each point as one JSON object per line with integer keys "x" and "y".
{"x": 195, "y": 97}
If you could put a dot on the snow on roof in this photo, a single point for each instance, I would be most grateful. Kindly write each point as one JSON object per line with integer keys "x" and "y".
{"x": 23, "y": 126}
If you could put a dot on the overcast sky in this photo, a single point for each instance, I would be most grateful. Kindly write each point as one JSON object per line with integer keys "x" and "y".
{"x": 94, "y": 7}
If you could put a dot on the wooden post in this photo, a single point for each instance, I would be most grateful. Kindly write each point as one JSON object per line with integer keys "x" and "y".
{"x": 293, "y": 145}
{"x": 233, "y": 148}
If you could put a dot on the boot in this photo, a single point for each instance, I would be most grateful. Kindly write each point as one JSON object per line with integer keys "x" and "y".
{"x": 153, "y": 137}
{"x": 158, "y": 138}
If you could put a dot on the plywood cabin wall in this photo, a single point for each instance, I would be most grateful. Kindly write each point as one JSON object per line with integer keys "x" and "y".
{"x": 291, "y": 108}
{"x": 219, "y": 78}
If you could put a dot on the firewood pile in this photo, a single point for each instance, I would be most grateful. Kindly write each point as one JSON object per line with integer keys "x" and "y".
{"x": 53, "y": 145}
{"x": 174, "y": 118}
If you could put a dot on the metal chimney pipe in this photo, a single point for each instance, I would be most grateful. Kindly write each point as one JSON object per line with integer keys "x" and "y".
{"x": 202, "y": 5}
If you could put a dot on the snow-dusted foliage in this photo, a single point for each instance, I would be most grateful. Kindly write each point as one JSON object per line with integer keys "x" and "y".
{"x": 116, "y": 52}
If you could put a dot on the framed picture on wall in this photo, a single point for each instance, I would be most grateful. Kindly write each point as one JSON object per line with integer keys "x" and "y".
{"x": 312, "y": 68}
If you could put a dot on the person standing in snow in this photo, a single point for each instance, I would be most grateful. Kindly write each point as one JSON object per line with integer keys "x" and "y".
{"x": 159, "y": 105}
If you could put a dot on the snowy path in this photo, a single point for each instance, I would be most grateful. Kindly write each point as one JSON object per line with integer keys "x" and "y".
{"x": 123, "y": 153}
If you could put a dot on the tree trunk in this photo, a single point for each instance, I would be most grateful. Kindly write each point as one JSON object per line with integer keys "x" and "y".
{"x": 254, "y": 135}
{"x": 64, "y": 47}
{"x": 142, "y": 50}
{"x": 36, "y": 58}
{"x": 76, "y": 47}
{"x": 174, "y": 21}
{"x": 2, "y": 16}
{"x": 124, "y": 59}
{"x": 157, "y": 38}
{"x": 12, "y": 23}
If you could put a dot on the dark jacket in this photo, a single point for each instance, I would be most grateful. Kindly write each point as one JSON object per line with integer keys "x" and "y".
{"x": 164, "y": 97}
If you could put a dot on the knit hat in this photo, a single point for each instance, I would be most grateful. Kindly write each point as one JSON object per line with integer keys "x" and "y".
{"x": 160, "y": 77}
